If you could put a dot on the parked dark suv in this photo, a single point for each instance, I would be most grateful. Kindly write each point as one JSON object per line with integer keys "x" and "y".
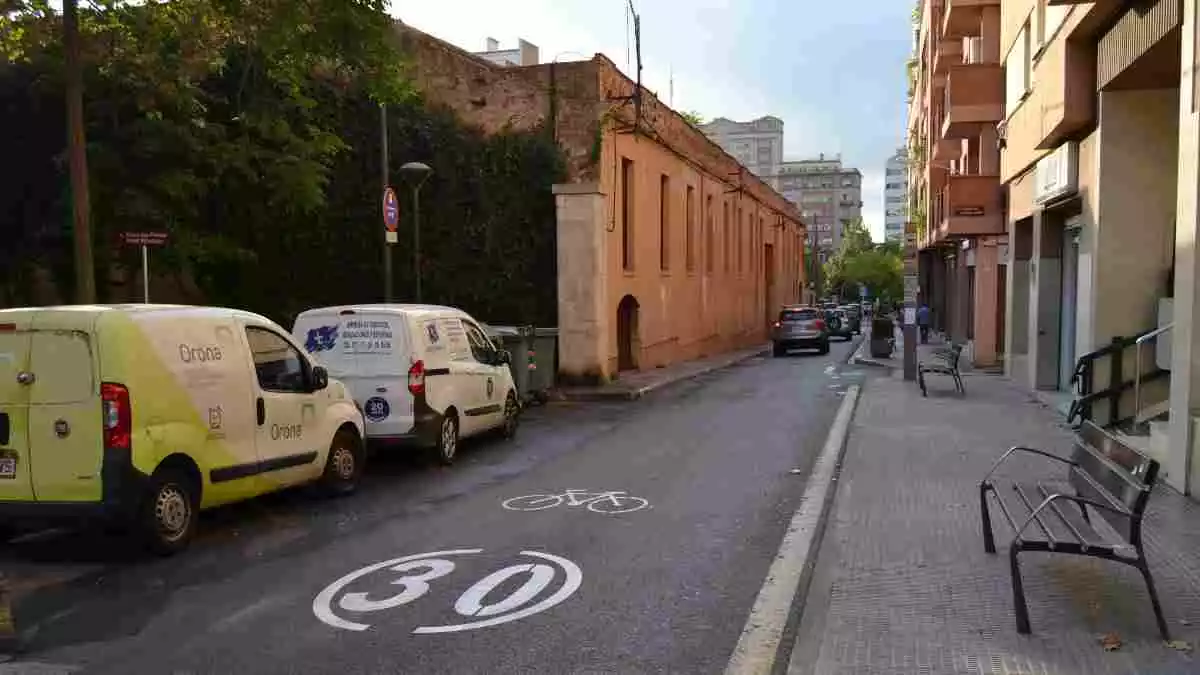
{"x": 800, "y": 328}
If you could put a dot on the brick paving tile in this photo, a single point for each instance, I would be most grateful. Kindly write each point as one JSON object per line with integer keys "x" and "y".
{"x": 903, "y": 584}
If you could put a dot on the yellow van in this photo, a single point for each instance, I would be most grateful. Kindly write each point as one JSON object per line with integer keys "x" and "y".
{"x": 149, "y": 413}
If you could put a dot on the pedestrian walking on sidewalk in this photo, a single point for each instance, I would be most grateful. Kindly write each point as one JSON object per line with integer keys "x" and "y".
{"x": 923, "y": 322}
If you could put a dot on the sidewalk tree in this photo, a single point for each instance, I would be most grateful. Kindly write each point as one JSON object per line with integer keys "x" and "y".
{"x": 859, "y": 261}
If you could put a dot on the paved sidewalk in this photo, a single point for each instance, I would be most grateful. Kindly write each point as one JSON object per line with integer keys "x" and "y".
{"x": 634, "y": 385}
{"x": 902, "y": 584}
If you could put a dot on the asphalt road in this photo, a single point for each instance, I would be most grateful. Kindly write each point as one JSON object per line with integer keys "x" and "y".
{"x": 664, "y": 588}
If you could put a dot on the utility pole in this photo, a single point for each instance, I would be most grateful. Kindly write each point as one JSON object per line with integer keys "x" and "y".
{"x": 85, "y": 275}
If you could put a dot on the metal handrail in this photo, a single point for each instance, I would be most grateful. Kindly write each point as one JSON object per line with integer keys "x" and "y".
{"x": 1137, "y": 359}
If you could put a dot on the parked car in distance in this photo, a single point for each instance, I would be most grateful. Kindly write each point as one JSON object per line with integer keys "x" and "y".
{"x": 853, "y": 317}
{"x": 424, "y": 375}
{"x": 144, "y": 415}
{"x": 800, "y": 327}
{"x": 838, "y": 324}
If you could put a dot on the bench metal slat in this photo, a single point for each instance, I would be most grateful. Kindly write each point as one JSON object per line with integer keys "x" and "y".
{"x": 1050, "y": 538}
{"x": 1056, "y": 507}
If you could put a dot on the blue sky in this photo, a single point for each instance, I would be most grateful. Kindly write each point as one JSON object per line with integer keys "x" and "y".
{"x": 832, "y": 71}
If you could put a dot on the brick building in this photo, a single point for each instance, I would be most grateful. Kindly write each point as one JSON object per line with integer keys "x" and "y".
{"x": 668, "y": 248}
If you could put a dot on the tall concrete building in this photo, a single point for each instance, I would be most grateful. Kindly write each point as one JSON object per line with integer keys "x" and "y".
{"x": 895, "y": 196}
{"x": 829, "y": 195}
{"x": 757, "y": 144}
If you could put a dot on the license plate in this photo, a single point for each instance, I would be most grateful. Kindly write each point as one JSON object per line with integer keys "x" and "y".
{"x": 8, "y": 467}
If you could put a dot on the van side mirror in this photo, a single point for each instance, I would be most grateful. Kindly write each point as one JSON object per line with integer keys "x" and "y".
{"x": 320, "y": 378}
{"x": 503, "y": 357}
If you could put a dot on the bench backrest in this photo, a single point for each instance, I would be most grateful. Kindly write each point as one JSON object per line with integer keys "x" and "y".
{"x": 1110, "y": 472}
{"x": 953, "y": 354}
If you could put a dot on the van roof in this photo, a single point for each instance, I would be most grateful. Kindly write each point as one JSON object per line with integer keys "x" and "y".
{"x": 188, "y": 310}
{"x": 386, "y": 308}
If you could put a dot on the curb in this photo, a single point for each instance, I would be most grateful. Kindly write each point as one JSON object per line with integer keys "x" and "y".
{"x": 781, "y": 599}
{"x": 635, "y": 394}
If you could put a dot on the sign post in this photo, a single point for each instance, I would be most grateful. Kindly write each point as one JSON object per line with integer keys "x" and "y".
{"x": 391, "y": 221}
{"x": 911, "y": 292}
{"x": 145, "y": 240}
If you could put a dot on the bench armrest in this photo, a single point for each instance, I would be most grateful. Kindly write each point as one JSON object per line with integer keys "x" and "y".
{"x": 1018, "y": 448}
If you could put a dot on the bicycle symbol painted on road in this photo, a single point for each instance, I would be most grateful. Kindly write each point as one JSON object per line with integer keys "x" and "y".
{"x": 610, "y": 502}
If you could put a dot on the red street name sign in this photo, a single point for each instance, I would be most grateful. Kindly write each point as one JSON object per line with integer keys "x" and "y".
{"x": 144, "y": 238}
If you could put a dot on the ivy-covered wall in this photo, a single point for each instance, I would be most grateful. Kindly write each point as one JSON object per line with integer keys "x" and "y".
{"x": 269, "y": 188}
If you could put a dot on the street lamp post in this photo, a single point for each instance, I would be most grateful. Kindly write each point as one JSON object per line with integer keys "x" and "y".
{"x": 419, "y": 172}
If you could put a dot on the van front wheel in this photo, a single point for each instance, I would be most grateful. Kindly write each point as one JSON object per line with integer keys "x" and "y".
{"x": 169, "y": 512}
{"x": 343, "y": 465}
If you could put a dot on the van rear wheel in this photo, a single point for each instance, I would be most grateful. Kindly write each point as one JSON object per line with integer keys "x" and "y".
{"x": 168, "y": 518}
{"x": 446, "y": 449}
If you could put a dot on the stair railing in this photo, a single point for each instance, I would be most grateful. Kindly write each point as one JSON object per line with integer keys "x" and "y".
{"x": 1137, "y": 359}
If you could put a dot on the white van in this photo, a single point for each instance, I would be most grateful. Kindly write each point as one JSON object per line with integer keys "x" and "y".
{"x": 424, "y": 375}
{"x": 150, "y": 413}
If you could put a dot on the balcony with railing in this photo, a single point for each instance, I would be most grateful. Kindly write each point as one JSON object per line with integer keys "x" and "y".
{"x": 973, "y": 98}
{"x": 962, "y": 18}
{"x": 949, "y": 52}
{"x": 969, "y": 205}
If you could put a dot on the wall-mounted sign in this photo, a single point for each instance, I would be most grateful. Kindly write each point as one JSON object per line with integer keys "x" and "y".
{"x": 968, "y": 210}
{"x": 1057, "y": 174}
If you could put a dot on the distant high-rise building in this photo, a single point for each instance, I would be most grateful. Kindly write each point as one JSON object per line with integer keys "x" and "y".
{"x": 895, "y": 196}
{"x": 829, "y": 196}
{"x": 757, "y": 144}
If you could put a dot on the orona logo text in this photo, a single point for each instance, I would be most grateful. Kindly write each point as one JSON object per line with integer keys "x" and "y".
{"x": 199, "y": 354}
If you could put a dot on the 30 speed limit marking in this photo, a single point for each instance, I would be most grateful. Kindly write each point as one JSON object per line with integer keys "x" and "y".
{"x": 548, "y": 580}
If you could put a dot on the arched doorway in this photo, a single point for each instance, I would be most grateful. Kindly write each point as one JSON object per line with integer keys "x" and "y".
{"x": 628, "y": 344}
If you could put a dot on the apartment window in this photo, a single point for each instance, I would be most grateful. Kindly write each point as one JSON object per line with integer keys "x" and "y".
{"x": 627, "y": 213}
{"x": 664, "y": 223}
{"x": 689, "y": 233}
{"x": 1017, "y": 71}
{"x": 1047, "y": 19}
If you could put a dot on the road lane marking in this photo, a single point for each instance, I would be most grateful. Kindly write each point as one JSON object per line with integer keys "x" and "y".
{"x": 417, "y": 573}
{"x": 758, "y": 646}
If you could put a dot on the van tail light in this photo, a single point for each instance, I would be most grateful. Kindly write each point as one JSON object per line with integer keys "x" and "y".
{"x": 416, "y": 378}
{"x": 777, "y": 324}
{"x": 118, "y": 415}
{"x": 820, "y": 325}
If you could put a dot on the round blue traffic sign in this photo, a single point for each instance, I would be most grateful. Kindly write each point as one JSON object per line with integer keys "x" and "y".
{"x": 376, "y": 409}
{"x": 391, "y": 209}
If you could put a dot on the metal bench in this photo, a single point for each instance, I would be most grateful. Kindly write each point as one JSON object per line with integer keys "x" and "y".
{"x": 1103, "y": 475}
{"x": 948, "y": 367}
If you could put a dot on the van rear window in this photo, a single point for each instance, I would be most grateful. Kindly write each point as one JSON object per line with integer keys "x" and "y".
{"x": 61, "y": 362}
{"x": 793, "y": 315}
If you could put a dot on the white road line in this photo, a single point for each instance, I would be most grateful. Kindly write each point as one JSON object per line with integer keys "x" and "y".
{"x": 758, "y": 646}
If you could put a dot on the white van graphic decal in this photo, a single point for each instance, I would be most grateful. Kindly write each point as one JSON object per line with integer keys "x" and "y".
{"x": 321, "y": 339}
{"x": 376, "y": 409}
{"x": 367, "y": 337}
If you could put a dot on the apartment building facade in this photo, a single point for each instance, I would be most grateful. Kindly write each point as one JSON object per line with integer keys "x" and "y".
{"x": 895, "y": 196}
{"x": 956, "y": 199}
{"x": 668, "y": 249}
{"x": 757, "y": 144}
{"x": 1101, "y": 145}
{"x": 829, "y": 196}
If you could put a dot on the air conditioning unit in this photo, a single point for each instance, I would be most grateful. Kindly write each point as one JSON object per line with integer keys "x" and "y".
{"x": 973, "y": 50}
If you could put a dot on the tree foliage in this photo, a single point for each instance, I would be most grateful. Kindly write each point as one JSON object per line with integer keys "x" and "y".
{"x": 694, "y": 118}
{"x": 249, "y": 130}
{"x": 879, "y": 267}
